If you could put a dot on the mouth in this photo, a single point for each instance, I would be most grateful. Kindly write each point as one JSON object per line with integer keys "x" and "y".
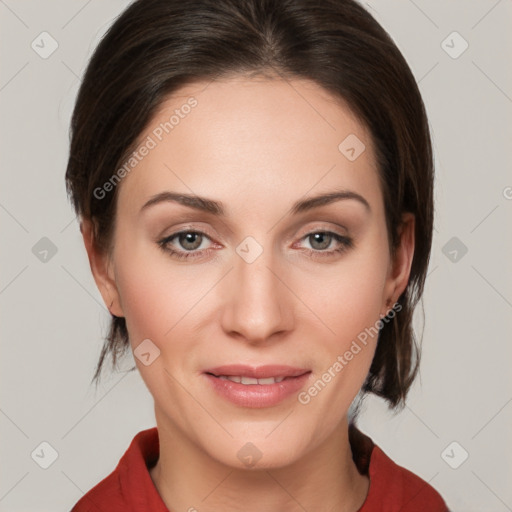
{"x": 261, "y": 386}
{"x": 250, "y": 381}
{"x": 274, "y": 371}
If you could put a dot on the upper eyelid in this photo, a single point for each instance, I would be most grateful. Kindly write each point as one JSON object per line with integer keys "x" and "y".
{"x": 331, "y": 224}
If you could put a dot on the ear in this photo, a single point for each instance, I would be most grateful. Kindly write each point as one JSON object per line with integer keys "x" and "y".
{"x": 400, "y": 264}
{"x": 102, "y": 270}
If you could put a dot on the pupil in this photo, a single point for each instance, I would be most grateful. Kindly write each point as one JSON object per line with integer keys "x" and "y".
{"x": 318, "y": 237}
{"x": 188, "y": 238}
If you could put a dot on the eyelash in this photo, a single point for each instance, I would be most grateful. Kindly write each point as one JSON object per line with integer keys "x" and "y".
{"x": 346, "y": 243}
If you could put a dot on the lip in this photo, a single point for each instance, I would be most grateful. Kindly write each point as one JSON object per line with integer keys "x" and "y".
{"x": 257, "y": 395}
{"x": 258, "y": 372}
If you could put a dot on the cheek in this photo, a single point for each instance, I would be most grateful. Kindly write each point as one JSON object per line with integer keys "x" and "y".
{"x": 158, "y": 304}
{"x": 144, "y": 306}
{"x": 156, "y": 294}
{"x": 349, "y": 303}
{"x": 348, "y": 297}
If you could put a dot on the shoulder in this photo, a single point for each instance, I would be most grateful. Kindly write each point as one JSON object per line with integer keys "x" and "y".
{"x": 107, "y": 492}
{"x": 395, "y": 485}
{"x": 130, "y": 482}
{"x": 392, "y": 487}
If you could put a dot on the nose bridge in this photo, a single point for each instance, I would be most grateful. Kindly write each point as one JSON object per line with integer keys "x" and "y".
{"x": 257, "y": 303}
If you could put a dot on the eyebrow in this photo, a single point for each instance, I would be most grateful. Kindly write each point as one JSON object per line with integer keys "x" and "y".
{"x": 217, "y": 208}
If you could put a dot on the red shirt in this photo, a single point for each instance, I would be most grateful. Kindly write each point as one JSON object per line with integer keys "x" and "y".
{"x": 129, "y": 487}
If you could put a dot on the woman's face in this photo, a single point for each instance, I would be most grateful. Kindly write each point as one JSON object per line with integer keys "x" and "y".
{"x": 254, "y": 280}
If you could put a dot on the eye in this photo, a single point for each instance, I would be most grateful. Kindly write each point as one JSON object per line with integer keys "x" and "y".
{"x": 322, "y": 240}
{"x": 187, "y": 244}
{"x": 189, "y": 241}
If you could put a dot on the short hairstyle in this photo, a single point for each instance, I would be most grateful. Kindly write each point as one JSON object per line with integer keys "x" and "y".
{"x": 157, "y": 46}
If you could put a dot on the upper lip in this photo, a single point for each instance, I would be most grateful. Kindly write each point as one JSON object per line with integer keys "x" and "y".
{"x": 257, "y": 372}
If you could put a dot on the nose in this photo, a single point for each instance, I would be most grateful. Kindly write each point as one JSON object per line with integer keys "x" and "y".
{"x": 258, "y": 306}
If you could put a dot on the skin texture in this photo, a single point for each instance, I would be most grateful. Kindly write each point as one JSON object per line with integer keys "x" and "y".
{"x": 256, "y": 145}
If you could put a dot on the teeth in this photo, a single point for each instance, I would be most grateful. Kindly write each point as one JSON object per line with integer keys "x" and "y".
{"x": 268, "y": 380}
{"x": 250, "y": 381}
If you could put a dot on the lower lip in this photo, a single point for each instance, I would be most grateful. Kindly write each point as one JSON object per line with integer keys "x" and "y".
{"x": 257, "y": 395}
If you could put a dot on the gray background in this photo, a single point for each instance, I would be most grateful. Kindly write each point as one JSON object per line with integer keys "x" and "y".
{"x": 53, "y": 318}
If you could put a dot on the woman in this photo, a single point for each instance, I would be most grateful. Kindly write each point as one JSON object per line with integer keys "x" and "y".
{"x": 254, "y": 183}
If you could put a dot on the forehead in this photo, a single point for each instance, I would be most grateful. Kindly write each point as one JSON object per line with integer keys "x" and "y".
{"x": 254, "y": 139}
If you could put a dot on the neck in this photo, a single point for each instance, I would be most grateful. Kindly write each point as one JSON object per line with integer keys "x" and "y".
{"x": 326, "y": 479}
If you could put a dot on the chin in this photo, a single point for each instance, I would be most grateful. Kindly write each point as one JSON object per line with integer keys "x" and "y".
{"x": 254, "y": 450}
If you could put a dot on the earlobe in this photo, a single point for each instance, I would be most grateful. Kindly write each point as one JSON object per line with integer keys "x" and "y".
{"x": 101, "y": 268}
{"x": 400, "y": 266}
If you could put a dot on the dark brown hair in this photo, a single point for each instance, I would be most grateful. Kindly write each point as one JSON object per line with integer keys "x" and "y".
{"x": 156, "y": 46}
